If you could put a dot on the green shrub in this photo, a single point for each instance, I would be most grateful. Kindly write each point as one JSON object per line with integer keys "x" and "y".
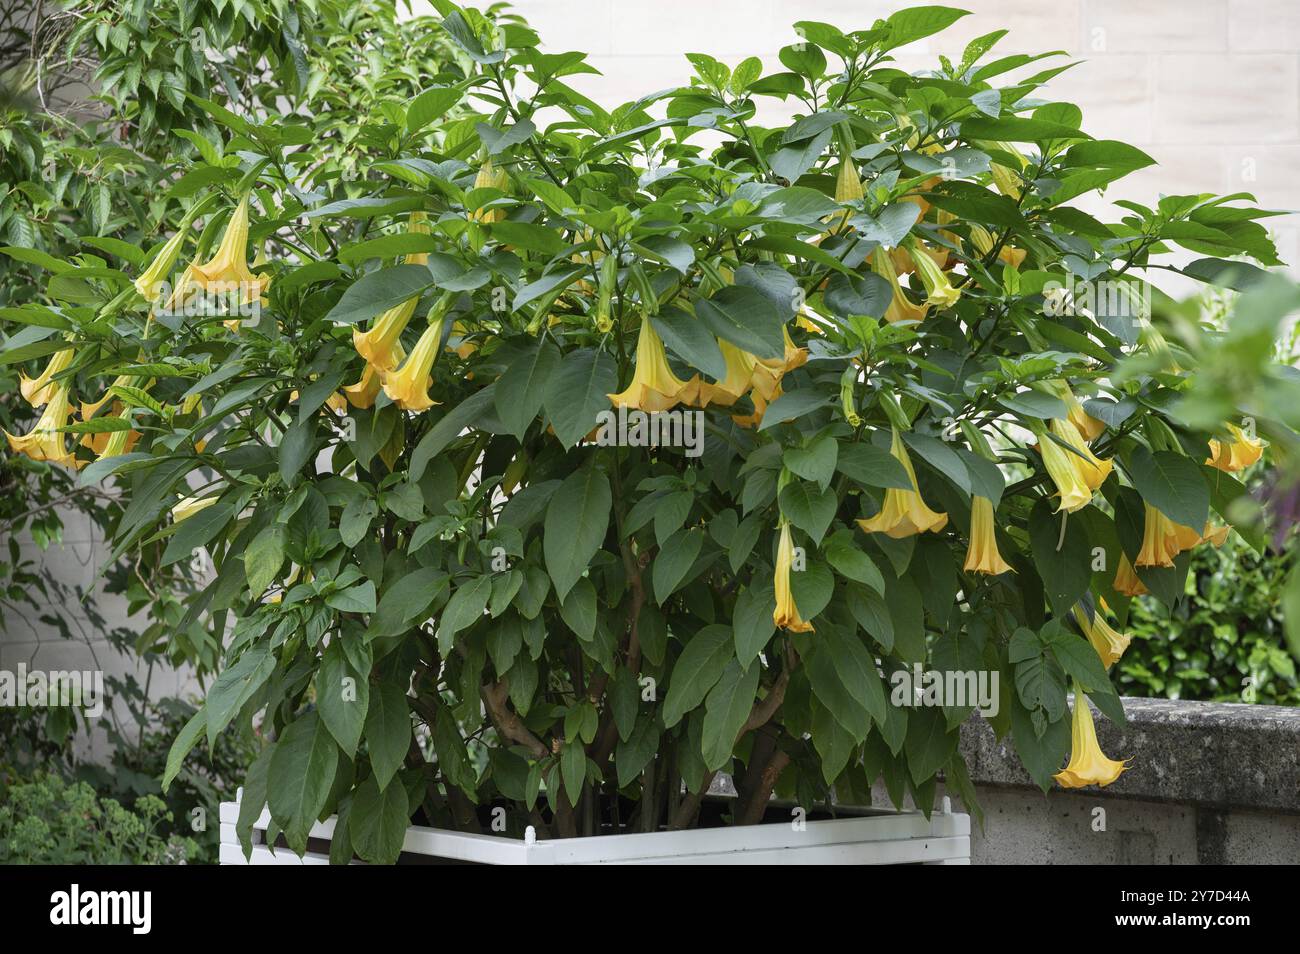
{"x": 46, "y": 820}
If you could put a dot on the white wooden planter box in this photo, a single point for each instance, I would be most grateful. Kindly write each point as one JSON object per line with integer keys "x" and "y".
{"x": 877, "y": 839}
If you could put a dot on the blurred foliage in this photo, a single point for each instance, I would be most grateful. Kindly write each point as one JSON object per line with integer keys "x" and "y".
{"x": 46, "y": 820}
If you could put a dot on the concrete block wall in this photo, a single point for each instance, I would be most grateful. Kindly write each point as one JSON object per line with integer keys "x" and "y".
{"x": 1208, "y": 783}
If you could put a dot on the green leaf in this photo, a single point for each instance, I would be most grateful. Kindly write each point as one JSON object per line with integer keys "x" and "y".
{"x": 296, "y": 449}
{"x": 872, "y": 466}
{"x": 301, "y": 773}
{"x": 263, "y": 558}
{"x": 674, "y": 561}
{"x": 431, "y": 105}
{"x": 746, "y": 318}
{"x": 522, "y": 388}
{"x": 379, "y": 291}
{"x": 698, "y": 668}
{"x": 466, "y": 414}
{"x": 1173, "y": 484}
{"x": 1064, "y": 564}
{"x": 387, "y": 731}
{"x": 578, "y": 391}
{"x": 234, "y": 687}
{"x": 377, "y": 821}
{"x": 752, "y": 622}
{"x": 464, "y": 609}
{"x": 726, "y": 708}
{"x": 185, "y": 740}
{"x": 690, "y": 340}
{"x": 815, "y": 462}
{"x": 795, "y": 404}
{"x": 809, "y": 509}
{"x": 929, "y": 743}
{"x": 342, "y": 697}
{"x": 576, "y": 521}
{"x": 354, "y": 599}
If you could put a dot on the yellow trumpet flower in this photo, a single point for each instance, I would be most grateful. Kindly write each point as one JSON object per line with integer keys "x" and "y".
{"x": 153, "y": 276}
{"x": 768, "y": 372}
{"x": 37, "y": 391}
{"x": 1092, "y": 469}
{"x": 654, "y": 387}
{"x": 1243, "y": 451}
{"x": 408, "y": 386}
{"x": 1126, "y": 579}
{"x": 380, "y": 346}
{"x": 1159, "y": 539}
{"x": 848, "y": 187}
{"x": 1162, "y": 539}
{"x": 228, "y": 269}
{"x": 739, "y": 379}
{"x": 1088, "y": 765}
{"x": 1005, "y": 179}
{"x": 189, "y": 506}
{"x": 362, "y": 394}
{"x": 112, "y": 444}
{"x": 90, "y": 410}
{"x": 45, "y": 441}
{"x": 490, "y": 177}
{"x": 900, "y": 306}
{"x": 786, "y": 614}
{"x": 1066, "y": 471}
{"x": 904, "y": 512}
{"x": 939, "y": 292}
{"x": 982, "y": 239}
{"x": 1089, "y": 427}
{"x": 903, "y": 264}
{"x": 982, "y": 556}
{"x": 1109, "y": 644}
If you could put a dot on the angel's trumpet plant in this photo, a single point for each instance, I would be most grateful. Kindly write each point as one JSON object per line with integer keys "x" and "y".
{"x": 380, "y": 345}
{"x": 904, "y": 513}
{"x": 408, "y": 386}
{"x": 228, "y": 269}
{"x": 1088, "y": 765}
{"x": 37, "y": 391}
{"x": 786, "y": 614}
{"x": 1109, "y": 644}
{"x": 1238, "y": 454}
{"x": 653, "y": 387}
{"x": 900, "y": 306}
{"x": 939, "y": 292}
{"x": 982, "y": 556}
{"x": 45, "y": 441}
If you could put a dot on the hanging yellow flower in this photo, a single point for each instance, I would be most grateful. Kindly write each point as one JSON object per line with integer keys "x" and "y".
{"x": 1089, "y": 427}
{"x": 1126, "y": 579}
{"x": 1109, "y": 644}
{"x": 1243, "y": 451}
{"x": 903, "y": 264}
{"x": 113, "y": 443}
{"x": 490, "y": 177}
{"x": 900, "y": 306}
{"x": 939, "y": 292}
{"x": 982, "y": 239}
{"x": 228, "y": 269}
{"x": 768, "y": 372}
{"x": 1088, "y": 765}
{"x": 37, "y": 391}
{"x": 982, "y": 556}
{"x": 45, "y": 441}
{"x": 786, "y": 614}
{"x": 90, "y": 410}
{"x": 654, "y": 387}
{"x": 380, "y": 346}
{"x": 1162, "y": 539}
{"x": 1005, "y": 179}
{"x": 408, "y": 386}
{"x": 153, "y": 276}
{"x": 189, "y": 506}
{"x": 362, "y": 394}
{"x": 1065, "y": 469}
{"x": 904, "y": 512}
{"x": 739, "y": 379}
{"x": 1092, "y": 469}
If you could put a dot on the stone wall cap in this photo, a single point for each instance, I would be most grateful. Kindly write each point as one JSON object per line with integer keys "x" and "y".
{"x": 1216, "y": 754}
